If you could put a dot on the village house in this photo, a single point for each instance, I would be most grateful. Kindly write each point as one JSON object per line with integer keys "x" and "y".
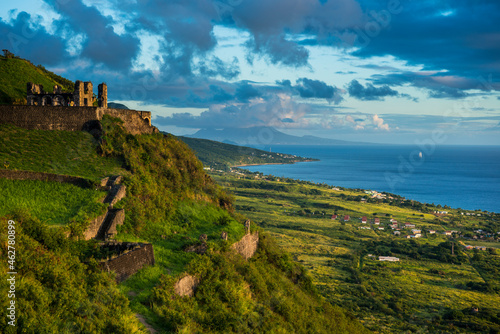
{"x": 416, "y": 231}
{"x": 363, "y": 220}
{"x": 334, "y": 217}
{"x": 347, "y": 218}
{"x": 409, "y": 225}
{"x": 397, "y": 233}
{"x": 377, "y": 221}
{"x": 388, "y": 258}
{"x": 447, "y": 232}
{"x": 431, "y": 231}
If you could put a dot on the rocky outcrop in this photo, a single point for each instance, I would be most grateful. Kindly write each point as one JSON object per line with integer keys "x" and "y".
{"x": 247, "y": 246}
{"x": 186, "y": 286}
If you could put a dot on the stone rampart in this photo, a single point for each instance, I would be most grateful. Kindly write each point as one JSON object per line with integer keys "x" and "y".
{"x": 134, "y": 121}
{"x": 48, "y": 118}
{"x": 116, "y": 193}
{"x": 130, "y": 262}
{"x": 93, "y": 228}
{"x": 70, "y": 118}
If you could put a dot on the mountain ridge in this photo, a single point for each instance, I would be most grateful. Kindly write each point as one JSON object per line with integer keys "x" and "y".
{"x": 264, "y": 136}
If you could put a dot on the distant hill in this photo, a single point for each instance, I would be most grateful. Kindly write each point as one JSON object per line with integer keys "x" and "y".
{"x": 262, "y": 136}
{"x": 16, "y": 72}
{"x": 221, "y": 155}
{"x": 117, "y": 105}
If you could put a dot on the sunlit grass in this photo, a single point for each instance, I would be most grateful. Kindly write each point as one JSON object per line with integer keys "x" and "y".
{"x": 422, "y": 289}
{"x": 52, "y": 202}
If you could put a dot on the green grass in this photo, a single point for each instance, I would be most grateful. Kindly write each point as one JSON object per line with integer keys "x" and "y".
{"x": 56, "y": 290}
{"x": 59, "y": 152}
{"x": 170, "y": 257}
{"x": 419, "y": 293}
{"x": 51, "y": 202}
{"x": 16, "y": 73}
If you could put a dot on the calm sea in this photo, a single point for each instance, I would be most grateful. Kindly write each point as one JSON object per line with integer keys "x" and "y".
{"x": 466, "y": 177}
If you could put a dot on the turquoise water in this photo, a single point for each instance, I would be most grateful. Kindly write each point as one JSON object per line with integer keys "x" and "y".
{"x": 466, "y": 177}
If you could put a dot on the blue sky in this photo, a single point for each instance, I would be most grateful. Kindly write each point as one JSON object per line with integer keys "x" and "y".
{"x": 395, "y": 71}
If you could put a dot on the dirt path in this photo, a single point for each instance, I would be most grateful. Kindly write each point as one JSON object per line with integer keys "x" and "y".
{"x": 144, "y": 322}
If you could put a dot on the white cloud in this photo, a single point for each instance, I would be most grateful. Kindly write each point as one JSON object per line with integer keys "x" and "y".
{"x": 379, "y": 123}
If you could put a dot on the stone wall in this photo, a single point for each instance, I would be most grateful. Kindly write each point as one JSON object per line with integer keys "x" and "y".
{"x": 135, "y": 122}
{"x": 116, "y": 193}
{"x": 130, "y": 262}
{"x": 72, "y": 118}
{"x": 48, "y": 118}
{"x": 247, "y": 246}
{"x": 118, "y": 219}
{"x": 38, "y": 176}
{"x": 93, "y": 229}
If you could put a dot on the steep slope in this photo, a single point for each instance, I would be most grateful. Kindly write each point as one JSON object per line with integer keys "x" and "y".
{"x": 57, "y": 288}
{"x": 16, "y": 72}
{"x": 170, "y": 202}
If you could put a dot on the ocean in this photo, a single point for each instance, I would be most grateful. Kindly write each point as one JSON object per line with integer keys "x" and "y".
{"x": 466, "y": 177}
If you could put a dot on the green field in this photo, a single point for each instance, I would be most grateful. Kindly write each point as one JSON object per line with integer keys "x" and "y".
{"x": 59, "y": 152}
{"x": 52, "y": 202}
{"x": 428, "y": 290}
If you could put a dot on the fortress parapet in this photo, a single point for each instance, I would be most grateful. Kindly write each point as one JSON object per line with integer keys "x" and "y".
{"x": 71, "y": 111}
{"x": 82, "y": 96}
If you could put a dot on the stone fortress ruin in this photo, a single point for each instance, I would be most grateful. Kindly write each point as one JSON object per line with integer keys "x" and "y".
{"x": 58, "y": 110}
{"x": 83, "y": 95}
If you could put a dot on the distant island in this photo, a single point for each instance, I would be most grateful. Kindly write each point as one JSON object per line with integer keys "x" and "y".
{"x": 264, "y": 136}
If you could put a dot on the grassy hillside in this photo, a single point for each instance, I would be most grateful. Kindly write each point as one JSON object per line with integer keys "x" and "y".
{"x": 67, "y": 202}
{"x": 59, "y": 152}
{"x": 221, "y": 156}
{"x": 17, "y": 72}
{"x": 58, "y": 290}
{"x": 428, "y": 290}
{"x": 170, "y": 202}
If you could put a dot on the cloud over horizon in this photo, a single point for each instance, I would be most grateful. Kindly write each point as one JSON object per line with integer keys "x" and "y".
{"x": 243, "y": 57}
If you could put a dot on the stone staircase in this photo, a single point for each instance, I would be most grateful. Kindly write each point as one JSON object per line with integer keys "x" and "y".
{"x": 104, "y": 227}
{"x": 113, "y": 218}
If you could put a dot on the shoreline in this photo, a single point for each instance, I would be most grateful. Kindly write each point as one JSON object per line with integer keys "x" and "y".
{"x": 273, "y": 163}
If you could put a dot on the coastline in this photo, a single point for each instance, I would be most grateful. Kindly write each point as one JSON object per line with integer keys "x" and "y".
{"x": 274, "y": 163}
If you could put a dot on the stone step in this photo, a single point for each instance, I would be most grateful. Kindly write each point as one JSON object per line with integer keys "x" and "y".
{"x": 113, "y": 218}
